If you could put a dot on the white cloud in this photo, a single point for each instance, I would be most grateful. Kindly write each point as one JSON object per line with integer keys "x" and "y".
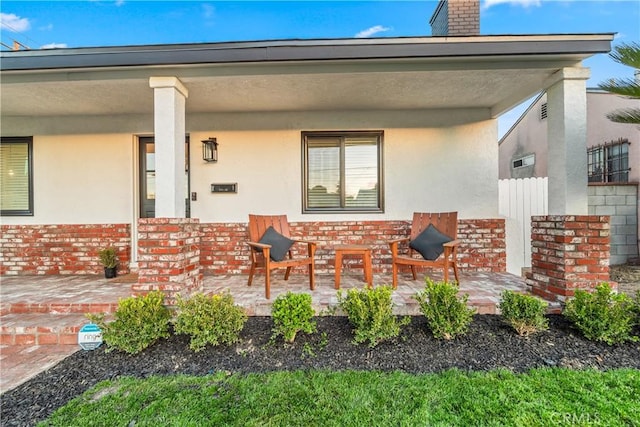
{"x": 371, "y": 31}
{"x": 524, "y": 3}
{"x": 54, "y": 46}
{"x": 119, "y": 2}
{"x": 46, "y": 27}
{"x": 12, "y": 22}
{"x": 208, "y": 10}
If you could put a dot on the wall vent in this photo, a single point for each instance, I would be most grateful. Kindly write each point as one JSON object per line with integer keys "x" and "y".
{"x": 543, "y": 111}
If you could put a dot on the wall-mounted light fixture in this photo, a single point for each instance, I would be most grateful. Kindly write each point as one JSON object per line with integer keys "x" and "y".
{"x": 210, "y": 150}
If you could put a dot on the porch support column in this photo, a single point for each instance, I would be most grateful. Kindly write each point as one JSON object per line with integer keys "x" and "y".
{"x": 567, "y": 136}
{"x": 169, "y": 99}
{"x": 570, "y": 249}
{"x": 169, "y": 257}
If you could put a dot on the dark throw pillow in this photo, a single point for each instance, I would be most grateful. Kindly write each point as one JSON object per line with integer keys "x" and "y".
{"x": 429, "y": 243}
{"x": 280, "y": 244}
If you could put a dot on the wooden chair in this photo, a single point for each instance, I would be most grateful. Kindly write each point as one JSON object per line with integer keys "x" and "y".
{"x": 260, "y": 252}
{"x": 446, "y": 223}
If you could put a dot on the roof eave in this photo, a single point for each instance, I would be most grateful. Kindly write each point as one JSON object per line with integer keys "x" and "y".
{"x": 583, "y": 45}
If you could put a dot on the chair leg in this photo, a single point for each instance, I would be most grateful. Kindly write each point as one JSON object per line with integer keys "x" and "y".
{"x": 446, "y": 272}
{"x": 252, "y": 270}
{"x": 413, "y": 272}
{"x": 286, "y": 273}
{"x": 455, "y": 272}
{"x": 312, "y": 276}
{"x": 394, "y": 269}
{"x": 267, "y": 283}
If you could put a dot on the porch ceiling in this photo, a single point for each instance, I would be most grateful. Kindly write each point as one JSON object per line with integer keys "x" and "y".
{"x": 440, "y": 89}
{"x": 435, "y": 80}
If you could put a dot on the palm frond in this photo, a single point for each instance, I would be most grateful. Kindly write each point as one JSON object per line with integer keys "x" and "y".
{"x": 627, "y": 54}
{"x": 623, "y": 87}
{"x": 628, "y": 115}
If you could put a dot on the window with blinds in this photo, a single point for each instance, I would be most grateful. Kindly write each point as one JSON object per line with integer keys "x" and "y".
{"x": 16, "y": 176}
{"x": 342, "y": 171}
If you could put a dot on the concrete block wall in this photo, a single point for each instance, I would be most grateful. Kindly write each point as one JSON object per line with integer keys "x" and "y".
{"x": 620, "y": 202}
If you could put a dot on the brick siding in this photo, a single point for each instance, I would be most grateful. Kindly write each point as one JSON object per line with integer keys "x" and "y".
{"x": 456, "y": 18}
{"x": 61, "y": 249}
{"x": 168, "y": 256}
{"x": 73, "y": 249}
{"x": 568, "y": 253}
{"x": 224, "y": 249}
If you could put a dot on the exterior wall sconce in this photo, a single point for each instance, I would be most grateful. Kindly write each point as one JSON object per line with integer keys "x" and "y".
{"x": 210, "y": 150}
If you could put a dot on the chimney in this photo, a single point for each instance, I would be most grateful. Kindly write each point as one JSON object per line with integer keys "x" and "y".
{"x": 456, "y": 18}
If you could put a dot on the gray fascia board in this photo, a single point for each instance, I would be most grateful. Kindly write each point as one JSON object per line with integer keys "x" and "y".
{"x": 305, "y": 50}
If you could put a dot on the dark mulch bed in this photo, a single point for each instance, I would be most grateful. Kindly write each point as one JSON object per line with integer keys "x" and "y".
{"x": 489, "y": 344}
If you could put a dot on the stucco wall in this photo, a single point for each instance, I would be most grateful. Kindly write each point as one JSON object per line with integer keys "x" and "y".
{"x": 424, "y": 170}
{"x": 528, "y": 137}
{"x": 89, "y": 178}
{"x": 81, "y": 179}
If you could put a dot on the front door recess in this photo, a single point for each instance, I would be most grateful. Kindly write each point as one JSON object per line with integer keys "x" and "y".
{"x": 148, "y": 177}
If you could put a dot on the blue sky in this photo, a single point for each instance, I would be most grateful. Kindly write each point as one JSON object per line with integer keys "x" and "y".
{"x": 42, "y": 24}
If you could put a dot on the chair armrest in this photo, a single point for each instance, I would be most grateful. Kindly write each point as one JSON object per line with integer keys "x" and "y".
{"x": 396, "y": 241}
{"x": 393, "y": 245}
{"x": 260, "y": 246}
{"x": 311, "y": 246}
{"x": 304, "y": 241}
{"x": 452, "y": 243}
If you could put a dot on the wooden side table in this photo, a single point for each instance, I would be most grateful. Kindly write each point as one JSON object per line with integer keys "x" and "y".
{"x": 360, "y": 250}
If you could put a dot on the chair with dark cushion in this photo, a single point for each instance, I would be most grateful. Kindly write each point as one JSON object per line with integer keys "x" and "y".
{"x": 270, "y": 243}
{"x": 432, "y": 243}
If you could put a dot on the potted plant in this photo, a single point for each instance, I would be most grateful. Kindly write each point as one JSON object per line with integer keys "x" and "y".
{"x": 109, "y": 259}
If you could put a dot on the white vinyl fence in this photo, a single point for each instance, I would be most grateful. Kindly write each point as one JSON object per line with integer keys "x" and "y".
{"x": 519, "y": 199}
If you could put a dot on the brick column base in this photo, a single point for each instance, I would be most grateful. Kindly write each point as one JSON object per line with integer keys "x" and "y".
{"x": 169, "y": 257}
{"x": 568, "y": 253}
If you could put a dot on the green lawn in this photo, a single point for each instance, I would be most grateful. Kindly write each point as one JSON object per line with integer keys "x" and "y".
{"x": 322, "y": 398}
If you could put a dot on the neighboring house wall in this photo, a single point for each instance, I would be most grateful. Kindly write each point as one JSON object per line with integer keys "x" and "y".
{"x": 529, "y": 135}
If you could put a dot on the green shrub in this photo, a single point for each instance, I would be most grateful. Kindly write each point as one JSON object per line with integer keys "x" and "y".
{"x": 370, "y": 311}
{"x": 292, "y": 313}
{"x": 210, "y": 319}
{"x": 138, "y": 323}
{"x": 108, "y": 257}
{"x": 525, "y": 313}
{"x": 602, "y": 315}
{"x": 447, "y": 315}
